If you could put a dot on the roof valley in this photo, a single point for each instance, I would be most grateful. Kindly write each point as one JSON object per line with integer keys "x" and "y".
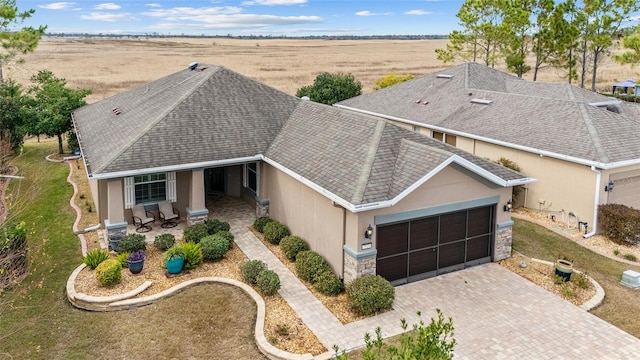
{"x": 593, "y": 134}
{"x": 363, "y": 180}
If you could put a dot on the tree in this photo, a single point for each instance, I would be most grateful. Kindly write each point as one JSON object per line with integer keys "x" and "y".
{"x": 330, "y": 88}
{"x": 631, "y": 42}
{"x": 11, "y": 116}
{"x": 391, "y": 79}
{"x": 14, "y": 42}
{"x": 517, "y": 16}
{"x": 51, "y": 105}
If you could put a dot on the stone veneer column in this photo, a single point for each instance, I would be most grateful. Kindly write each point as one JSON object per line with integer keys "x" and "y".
{"x": 358, "y": 264}
{"x": 503, "y": 241}
{"x": 262, "y": 207}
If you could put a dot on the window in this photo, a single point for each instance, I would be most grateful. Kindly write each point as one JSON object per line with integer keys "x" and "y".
{"x": 449, "y": 139}
{"x": 149, "y": 188}
{"x": 251, "y": 177}
{"x": 415, "y": 128}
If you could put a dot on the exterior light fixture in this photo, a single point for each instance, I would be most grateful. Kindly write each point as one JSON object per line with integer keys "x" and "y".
{"x": 508, "y": 206}
{"x": 368, "y": 234}
{"x": 609, "y": 186}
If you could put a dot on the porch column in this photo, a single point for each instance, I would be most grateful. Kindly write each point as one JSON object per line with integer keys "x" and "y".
{"x": 358, "y": 263}
{"x": 197, "y": 211}
{"x": 503, "y": 240}
{"x": 115, "y": 223}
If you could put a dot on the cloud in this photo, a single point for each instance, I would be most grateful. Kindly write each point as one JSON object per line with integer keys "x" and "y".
{"x": 369, "y": 13}
{"x": 57, "y": 6}
{"x": 274, "y": 2}
{"x": 109, "y": 17}
{"x": 107, "y": 6}
{"x": 633, "y": 18}
{"x": 153, "y": 5}
{"x": 418, "y": 12}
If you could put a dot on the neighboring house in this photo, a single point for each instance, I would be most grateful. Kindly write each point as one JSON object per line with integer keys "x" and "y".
{"x": 327, "y": 173}
{"x": 583, "y": 148}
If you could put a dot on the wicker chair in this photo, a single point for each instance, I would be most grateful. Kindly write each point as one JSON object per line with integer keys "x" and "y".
{"x": 142, "y": 218}
{"x": 168, "y": 214}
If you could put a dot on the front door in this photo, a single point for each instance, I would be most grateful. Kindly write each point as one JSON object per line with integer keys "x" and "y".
{"x": 215, "y": 180}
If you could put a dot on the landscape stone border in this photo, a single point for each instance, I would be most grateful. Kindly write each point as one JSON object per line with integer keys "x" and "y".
{"x": 126, "y": 301}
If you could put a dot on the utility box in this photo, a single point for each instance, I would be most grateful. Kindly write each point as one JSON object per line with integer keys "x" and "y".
{"x": 631, "y": 279}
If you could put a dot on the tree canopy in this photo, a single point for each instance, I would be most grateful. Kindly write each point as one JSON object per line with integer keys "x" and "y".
{"x": 50, "y": 105}
{"x": 391, "y": 79}
{"x": 630, "y": 42}
{"x": 330, "y": 88}
{"x": 15, "y": 42}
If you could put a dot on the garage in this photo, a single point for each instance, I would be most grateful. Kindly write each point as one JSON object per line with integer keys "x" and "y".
{"x": 419, "y": 248}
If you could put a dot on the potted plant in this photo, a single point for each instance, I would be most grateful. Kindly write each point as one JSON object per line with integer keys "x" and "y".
{"x": 114, "y": 240}
{"x": 564, "y": 268}
{"x": 135, "y": 261}
{"x": 174, "y": 259}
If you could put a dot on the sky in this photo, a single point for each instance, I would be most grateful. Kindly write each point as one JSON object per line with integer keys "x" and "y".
{"x": 246, "y": 17}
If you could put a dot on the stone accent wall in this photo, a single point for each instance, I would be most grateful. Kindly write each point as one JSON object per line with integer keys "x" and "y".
{"x": 355, "y": 268}
{"x": 262, "y": 209}
{"x": 503, "y": 241}
{"x": 196, "y": 219}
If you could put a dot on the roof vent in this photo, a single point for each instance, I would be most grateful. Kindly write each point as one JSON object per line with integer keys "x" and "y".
{"x": 481, "y": 101}
{"x": 193, "y": 65}
{"x": 116, "y": 111}
{"x": 610, "y": 105}
{"x": 306, "y": 98}
{"x": 445, "y": 76}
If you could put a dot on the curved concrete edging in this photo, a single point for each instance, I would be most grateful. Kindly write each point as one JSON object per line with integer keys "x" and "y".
{"x": 125, "y": 301}
{"x": 596, "y": 300}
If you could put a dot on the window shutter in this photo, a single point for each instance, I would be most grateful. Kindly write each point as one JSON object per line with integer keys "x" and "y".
{"x": 171, "y": 186}
{"x": 129, "y": 193}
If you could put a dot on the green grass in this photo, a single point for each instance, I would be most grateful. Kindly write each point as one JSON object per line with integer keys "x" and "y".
{"x": 620, "y": 302}
{"x": 37, "y": 322}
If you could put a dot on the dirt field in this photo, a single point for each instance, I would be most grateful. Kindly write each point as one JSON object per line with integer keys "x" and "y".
{"x": 110, "y": 66}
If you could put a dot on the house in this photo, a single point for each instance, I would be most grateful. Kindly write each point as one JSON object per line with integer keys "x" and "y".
{"x": 370, "y": 196}
{"x": 582, "y": 147}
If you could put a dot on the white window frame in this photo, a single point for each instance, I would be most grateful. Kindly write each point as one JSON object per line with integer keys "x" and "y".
{"x": 130, "y": 189}
{"x": 245, "y": 178}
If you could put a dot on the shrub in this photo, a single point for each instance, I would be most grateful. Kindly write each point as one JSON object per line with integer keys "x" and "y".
{"x": 581, "y": 281}
{"x": 274, "y": 231}
{"x": 194, "y": 233}
{"x": 250, "y": 270}
{"x": 122, "y": 259}
{"x": 226, "y": 235}
{"x": 291, "y": 245}
{"x": 214, "y": 226}
{"x": 95, "y": 257}
{"x": 163, "y": 242}
{"x": 13, "y": 237}
{"x": 620, "y": 223}
{"x": 214, "y": 247}
{"x": 109, "y": 272}
{"x": 192, "y": 255}
{"x": 328, "y": 283}
{"x": 370, "y": 294}
{"x": 268, "y": 282}
{"x": 630, "y": 257}
{"x": 309, "y": 264}
{"x": 132, "y": 243}
{"x": 260, "y": 223}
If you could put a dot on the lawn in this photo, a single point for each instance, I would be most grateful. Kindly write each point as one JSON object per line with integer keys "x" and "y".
{"x": 37, "y": 322}
{"x": 621, "y": 306}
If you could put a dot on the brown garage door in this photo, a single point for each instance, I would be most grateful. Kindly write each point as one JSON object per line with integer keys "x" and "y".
{"x": 420, "y": 248}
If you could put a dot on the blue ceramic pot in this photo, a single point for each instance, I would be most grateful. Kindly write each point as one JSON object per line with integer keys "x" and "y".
{"x": 174, "y": 266}
{"x": 136, "y": 266}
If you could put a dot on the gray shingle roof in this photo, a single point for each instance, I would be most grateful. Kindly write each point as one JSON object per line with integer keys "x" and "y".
{"x": 551, "y": 117}
{"x": 214, "y": 114}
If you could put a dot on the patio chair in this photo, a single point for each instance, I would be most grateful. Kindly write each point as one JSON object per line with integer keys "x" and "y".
{"x": 142, "y": 218}
{"x": 168, "y": 214}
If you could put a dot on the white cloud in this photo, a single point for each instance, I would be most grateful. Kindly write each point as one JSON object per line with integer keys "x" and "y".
{"x": 634, "y": 18}
{"x": 153, "y": 5}
{"x": 365, "y": 13}
{"x": 57, "y": 5}
{"x": 274, "y": 2}
{"x": 418, "y": 12}
{"x": 101, "y": 16}
{"x": 107, "y": 6}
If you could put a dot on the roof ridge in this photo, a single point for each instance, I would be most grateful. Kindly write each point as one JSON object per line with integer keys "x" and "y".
{"x": 593, "y": 133}
{"x": 146, "y": 129}
{"x": 365, "y": 173}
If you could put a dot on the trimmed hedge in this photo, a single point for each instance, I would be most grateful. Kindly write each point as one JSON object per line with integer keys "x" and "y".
{"x": 132, "y": 243}
{"x": 260, "y": 223}
{"x": 328, "y": 283}
{"x": 370, "y": 294}
{"x": 310, "y": 264}
{"x": 250, "y": 270}
{"x": 214, "y": 247}
{"x": 194, "y": 233}
{"x": 291, "y": 245}
{"x": 620, "y": 223}
{"x": 226, "y": 235}
{"x": 214, "y": 226}
{"x": 274, "y": 231}
{"x": 163, "y": 242}
{"x": 109, "y": 272}
{"x": 268, "y": 282}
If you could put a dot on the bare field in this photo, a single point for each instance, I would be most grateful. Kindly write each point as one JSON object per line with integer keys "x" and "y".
{"x": 110, "y": 66}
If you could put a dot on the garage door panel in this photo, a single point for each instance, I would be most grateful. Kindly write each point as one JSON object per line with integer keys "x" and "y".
{"x": 451, "y": 254}
{"x": 626, "y": 192}
{"x": 423, "y": 261}
{"x": 392, "y": 239}
{"x": 423, "y": 233}
{"x": 453, "y": 226}
{"x": 392, "y": 268}
{"x": 478, "y": 248}
{"x": 479, "y": 222}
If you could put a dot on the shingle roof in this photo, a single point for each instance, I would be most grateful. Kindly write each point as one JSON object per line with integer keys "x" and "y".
{"x": 551, "y": 117}
{"x": 214, "y": 114}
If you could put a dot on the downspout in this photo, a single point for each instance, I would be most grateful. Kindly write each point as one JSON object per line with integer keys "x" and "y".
{"x": 595, "y": 205}
{"x": 344, "y": 237}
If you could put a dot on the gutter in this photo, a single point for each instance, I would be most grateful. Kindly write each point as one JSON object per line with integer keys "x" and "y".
{"x": 600, "y": 165}
{"x": 596, "y": 203}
